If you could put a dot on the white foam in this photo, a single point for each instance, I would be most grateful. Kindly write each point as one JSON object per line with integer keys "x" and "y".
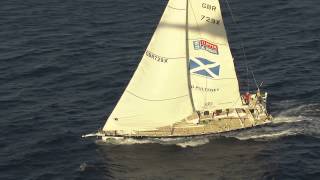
{"x": 268, "y": 136}
{"x": 194, "y": 143}
{"x": 288, "y": 119}
{"x": 297, "y": 113}
{"x": 126, "y": 141}
{"x": 83, "y": 166}
{"x": 298, "y": 110}
{"x": 181, "y": 142}
{"x": 292, "y": 111}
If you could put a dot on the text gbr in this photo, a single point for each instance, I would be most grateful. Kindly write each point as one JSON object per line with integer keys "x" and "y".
{"x": 208, "y": 6}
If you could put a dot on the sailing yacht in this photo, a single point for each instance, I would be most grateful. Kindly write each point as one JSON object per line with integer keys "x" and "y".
{"x": 186, "y": 83}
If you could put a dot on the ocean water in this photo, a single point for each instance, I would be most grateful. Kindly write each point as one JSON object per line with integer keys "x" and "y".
{"x": 64, "y": 65}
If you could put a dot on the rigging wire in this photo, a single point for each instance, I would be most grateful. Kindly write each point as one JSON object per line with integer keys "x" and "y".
{"x": 255, "y": 81}
{"x": 247, "y": 67}
{"x": 243, "y": 50}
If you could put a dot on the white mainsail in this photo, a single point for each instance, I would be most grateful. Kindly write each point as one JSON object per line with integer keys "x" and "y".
{"x": 158, "y": 94}
{"x": 213, "y": 78}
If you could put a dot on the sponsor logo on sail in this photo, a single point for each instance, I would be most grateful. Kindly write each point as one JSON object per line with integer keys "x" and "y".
{"x": 204, "y": 67}
{"x": 205, "y": 45}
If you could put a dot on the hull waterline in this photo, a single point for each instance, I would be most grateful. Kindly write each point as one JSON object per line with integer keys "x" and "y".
{"x": 105, "y": 136}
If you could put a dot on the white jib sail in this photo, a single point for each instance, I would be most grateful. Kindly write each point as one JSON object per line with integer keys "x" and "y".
{"x": 213, "y": 77}
{"x": 158, "y": 93}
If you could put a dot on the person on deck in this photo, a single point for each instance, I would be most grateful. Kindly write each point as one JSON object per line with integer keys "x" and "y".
{"x": 246, "y": 98}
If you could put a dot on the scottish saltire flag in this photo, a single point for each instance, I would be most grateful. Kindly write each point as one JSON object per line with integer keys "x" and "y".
{"x": 204, "y": 67}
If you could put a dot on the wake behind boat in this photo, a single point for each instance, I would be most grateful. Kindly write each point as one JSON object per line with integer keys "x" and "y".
{"x": 186, "y": 83}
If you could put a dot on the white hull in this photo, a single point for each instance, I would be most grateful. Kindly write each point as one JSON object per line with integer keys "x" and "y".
{"x": 108, "y": 138}
{"x": 207, "y": 122}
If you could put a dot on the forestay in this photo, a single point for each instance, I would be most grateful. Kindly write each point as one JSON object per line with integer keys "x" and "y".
{"x": 158, "y": 94}
{"x": 213, "y": 77}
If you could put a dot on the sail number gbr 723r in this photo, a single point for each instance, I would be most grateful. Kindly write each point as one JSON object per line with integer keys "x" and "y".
{"x": 210, "y": 20}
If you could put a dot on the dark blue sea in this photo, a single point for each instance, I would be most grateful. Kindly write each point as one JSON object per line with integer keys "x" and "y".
{"x": 64, "y": 65}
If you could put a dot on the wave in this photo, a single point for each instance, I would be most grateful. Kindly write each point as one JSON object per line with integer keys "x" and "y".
{"x": 294, "y": 120}
{"x": 267, "y": 136}
{"x": 194, "y": 143}
{"x": 289, "y": 119}
{"x": 181, "y": 142}
{"x": 125, "y": 141}
{"x": 294, "y": 109}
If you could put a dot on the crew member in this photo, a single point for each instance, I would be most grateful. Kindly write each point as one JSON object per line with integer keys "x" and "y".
{"x": 246, "y": 98}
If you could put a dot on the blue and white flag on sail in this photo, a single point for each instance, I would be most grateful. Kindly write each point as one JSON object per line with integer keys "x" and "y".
{"x": 204, "y": 67}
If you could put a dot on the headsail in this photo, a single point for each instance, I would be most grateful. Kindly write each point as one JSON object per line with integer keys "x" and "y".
{"x": 158, "y": 94}
{"x": 213, "y": 77}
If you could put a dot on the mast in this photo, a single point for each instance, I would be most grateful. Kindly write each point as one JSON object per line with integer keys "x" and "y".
{"x": 188, "y": 55}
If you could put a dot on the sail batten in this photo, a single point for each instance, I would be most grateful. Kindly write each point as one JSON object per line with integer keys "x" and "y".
{"x": 173, "y": 98}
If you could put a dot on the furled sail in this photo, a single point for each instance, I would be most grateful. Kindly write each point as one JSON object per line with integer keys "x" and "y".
{"x": 213, "y": 78}
{"x": 158, "y": 94}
